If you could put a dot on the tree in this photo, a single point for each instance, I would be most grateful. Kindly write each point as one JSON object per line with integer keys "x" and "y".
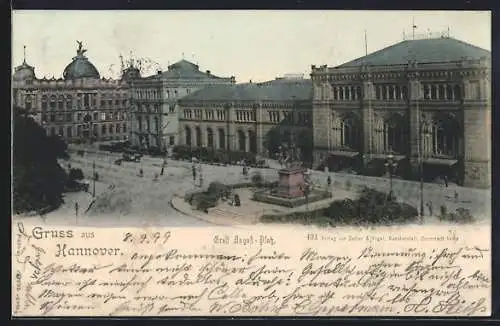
{"x": 38, "y": 179}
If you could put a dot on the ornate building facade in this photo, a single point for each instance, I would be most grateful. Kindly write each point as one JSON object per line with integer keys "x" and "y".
{"x": 239, "y": 117}
{"x": 155, "y": 122}
{"x": 79, "y": 107}
{"x": 423, "y": 101}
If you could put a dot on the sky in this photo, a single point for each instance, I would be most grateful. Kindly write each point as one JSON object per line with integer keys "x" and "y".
{"x": 250, "y": 45}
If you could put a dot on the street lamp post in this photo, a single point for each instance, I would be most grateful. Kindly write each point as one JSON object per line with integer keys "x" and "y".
{"x": 306, "y": 188}
{"x": 421, "y": 168}
{"x": 391, "y": 166}
{"x": 94, "y": 177}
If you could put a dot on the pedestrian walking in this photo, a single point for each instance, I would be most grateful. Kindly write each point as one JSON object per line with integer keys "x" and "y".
{"x": 141, "y": 173}
{"x": 456, "y": 196}
{"x": 76, "y": 209}
{"x": 201, "y": 180}
{"x": 162, "y": 170}
{"x": 329, "y": 181}
{"x": 446, "y": 181}
{"x": 194, "y": 173}
{"x": 429, "y": 206}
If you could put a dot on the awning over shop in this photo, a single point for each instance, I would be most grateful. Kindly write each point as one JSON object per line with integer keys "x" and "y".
{"x": 439, "y": 161}
{"x": 344, "y": 153}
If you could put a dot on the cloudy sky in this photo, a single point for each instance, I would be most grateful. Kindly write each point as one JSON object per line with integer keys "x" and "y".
{"x": 257, "y": 45}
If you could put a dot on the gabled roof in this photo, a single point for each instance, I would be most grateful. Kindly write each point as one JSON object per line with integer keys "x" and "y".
{"x": 276, "y": 90}
{"x": 184, "y": 69}
{"x": 443, "y": 49}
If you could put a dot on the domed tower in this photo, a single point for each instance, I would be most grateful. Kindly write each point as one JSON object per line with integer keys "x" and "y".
{"x": 131, "y": 73}
{"x": 24, "y": 71}
{"x": 80, "y": 67}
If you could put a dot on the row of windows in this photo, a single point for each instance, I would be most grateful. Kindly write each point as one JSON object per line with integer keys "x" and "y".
{"x": 390, "y": 92}
{"x": 442, "y": 92}
{"x": 288, "y": 116}
{"x": 346, "y": 93}
{"x": 153, "y": 94}
{"x": 245, "y": 116}
{"x": 145, "y": 124}
{"x": 70, "y": 117}
{"x": 105, "y": 129}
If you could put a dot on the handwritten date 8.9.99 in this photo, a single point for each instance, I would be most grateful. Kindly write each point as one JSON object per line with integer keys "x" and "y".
{"x": 155, "y": 238}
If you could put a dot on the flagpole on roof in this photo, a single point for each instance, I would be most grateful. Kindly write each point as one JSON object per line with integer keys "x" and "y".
{"x": 366, "y": 44}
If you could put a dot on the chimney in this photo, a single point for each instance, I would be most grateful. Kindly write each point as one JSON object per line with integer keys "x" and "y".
{"x": 250, "y": 81}
{"x": 208, "y": 72}
{"x": 159, "y": 72}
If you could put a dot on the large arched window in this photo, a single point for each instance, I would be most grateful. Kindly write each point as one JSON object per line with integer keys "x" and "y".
{"x": 187, "y": 131}
{"x": 53, "y": 102}
{"x": 69, "y": 102}
{"x": 198, "y": 136}
{"x": 210, "y": 138}
{"x": 44, "y": 102}
{"x": 241, "y": 141}
{"x": 61, "y": 102}
{"x": 222, "y": 138}
{"x": 350, "y": 132}
{"x": 394, "y": 134}
{"x": 253, "y": 141}
{"x": 27, "y": 102}
{"x": 445, "y": 136}
{"x": 457, "y": 93}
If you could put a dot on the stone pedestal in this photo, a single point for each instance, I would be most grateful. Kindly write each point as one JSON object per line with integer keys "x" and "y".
{"x": 290, "y": 182}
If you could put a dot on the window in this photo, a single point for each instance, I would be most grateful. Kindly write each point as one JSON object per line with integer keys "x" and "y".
{"x": 69, "y": 102}
{"x": 96, "y": 116}
{"x": 171, "y": 109}
{"x": 110, "y": 129}
{"x": 79, "y": 116}
{"x": 86, "y": 100}
{"x": 52, "y": 118}
{"x": 69, "y": 132}
{"x": 44, "y": 117}
{"x": 210, "y": 138}
{"x": 171, "y": 140}
{"x": 124, "y": 127}
{"x": 27, "y": 102}
{"x": 53, "y": 102}
{"x": 118, "y": 128}
{"x": 350, "y": 132}
{"x": 69, "y": 117}
{"x": 103, "y": 103}
{"x": 61, "y": 131}
{"x": 44, "y": 102}
{"x": 103, "y": 129}
{"x": 61, "y": 102}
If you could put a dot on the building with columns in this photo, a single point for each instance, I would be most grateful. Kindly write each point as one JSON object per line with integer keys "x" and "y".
{"x": 155, "y": 122}
{"x": 79, "y": 107}
{"x": 239, "y": 117}
{"x": 423, "y": 101}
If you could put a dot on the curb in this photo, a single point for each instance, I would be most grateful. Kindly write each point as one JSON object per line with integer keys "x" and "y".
{"x": 196, "y": 216}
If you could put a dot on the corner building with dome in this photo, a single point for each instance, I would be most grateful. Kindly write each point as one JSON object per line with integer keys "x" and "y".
{"x": 424, "y": 103}
{"x": 80, "y": 107}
